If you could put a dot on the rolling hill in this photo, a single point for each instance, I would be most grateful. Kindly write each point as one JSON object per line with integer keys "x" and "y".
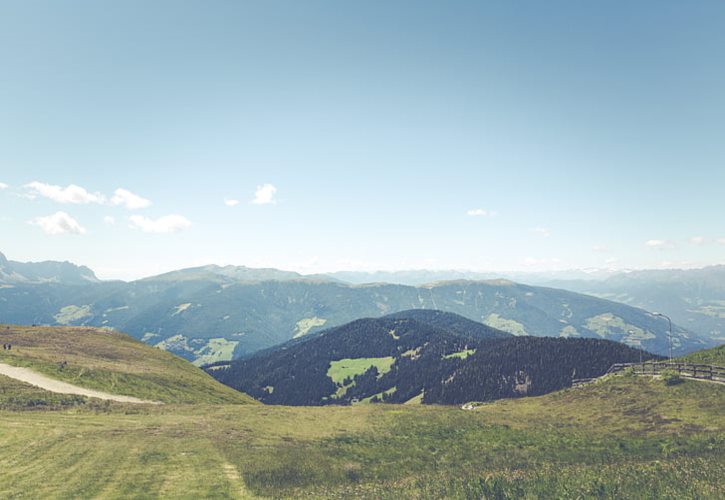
{"x": 214, "y": 314}
{"x": 109, "y": 361}
{"x": 714, "y": 356}
{"x": 622, "y": 437}
{"x": 414, "y": 356}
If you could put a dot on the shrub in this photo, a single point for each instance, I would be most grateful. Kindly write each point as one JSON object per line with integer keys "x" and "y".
{"x": 671, "y": 377}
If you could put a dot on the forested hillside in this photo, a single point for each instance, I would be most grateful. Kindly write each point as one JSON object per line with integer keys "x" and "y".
{"x": 403, "y": 358}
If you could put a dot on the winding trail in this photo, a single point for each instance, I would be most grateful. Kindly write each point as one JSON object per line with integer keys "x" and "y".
{"x": 34, "y": 378}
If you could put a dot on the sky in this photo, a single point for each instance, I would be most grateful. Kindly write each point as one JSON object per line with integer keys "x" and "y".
{"x": 139, "y": 137}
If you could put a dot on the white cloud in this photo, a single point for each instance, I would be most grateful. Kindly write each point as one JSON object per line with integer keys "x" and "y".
{"x": 542, "y": 231}
{"x": 129, "y": 200}
{"x": 165, "y": 224}
{"x": 600, "y": 248}
{"x": 697, "y": 240}
{"x": 58, "y": 223}
{"x": 479, "y": 212}
{"x": 659, "y": 244}
{"x": 69, "y": 194}
{"x": 721, "y": 241}
{"x": 231, "y": 203}
{"x": 109, "y": 220}
{"x": 3, "y": 186}
{"x": 264, "y": 195}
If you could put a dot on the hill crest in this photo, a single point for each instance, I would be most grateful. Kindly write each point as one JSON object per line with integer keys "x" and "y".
{"x": 112, "y": 362}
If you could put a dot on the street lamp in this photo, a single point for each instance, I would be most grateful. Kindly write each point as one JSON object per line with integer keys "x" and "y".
{"x": 670, "y": 336}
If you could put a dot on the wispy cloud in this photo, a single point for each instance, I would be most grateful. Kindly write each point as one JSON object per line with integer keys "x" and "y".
{"x": 231, "y": 203}
{"x": 698, "y": 240}
{"x": 69, "y": 194}
{"x": 660, "y": 244}
{"x": 264, "y": 195}
{"x": 543, "y": 231}
{"x": 721, "y": 241}
{"x": 3, "y": 186}
{"x": 165, "y": 224}
{"x": 600, "y": 248}
{"x": 131, "y": 201}
{"x": 109, "y": 220}
{"x": 78, "y": 195}
{"x": 58, "y": 223}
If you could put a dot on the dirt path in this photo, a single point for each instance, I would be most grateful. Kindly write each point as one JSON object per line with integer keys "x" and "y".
{"x": 233, "y": 476}
{"x": 33, "y": 378}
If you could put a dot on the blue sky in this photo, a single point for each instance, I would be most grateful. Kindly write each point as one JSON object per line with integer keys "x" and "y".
{"x": 589, "y": 133}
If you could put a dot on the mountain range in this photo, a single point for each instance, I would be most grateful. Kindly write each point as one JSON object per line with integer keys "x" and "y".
{"x": 208, "y": 314}
{"x": 13, "y": 273}
{"x": 693, "y": 298}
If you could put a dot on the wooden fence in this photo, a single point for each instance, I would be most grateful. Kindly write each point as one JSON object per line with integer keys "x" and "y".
{"x": 687, "y": 370}
{"x": 691, "y": 370}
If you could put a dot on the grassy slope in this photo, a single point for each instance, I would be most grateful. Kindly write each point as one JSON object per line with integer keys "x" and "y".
{"x": 341, "y": 369}
{"x": 15, "y": 395}
{"x": 714, "y": 356}
{"x": 622, "y": 437}
{"x": 112, "y": 362}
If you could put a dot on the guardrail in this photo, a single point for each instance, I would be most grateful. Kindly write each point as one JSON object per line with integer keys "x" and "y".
{"x": 687, "y": 370}
{"x": 691, "y": 370}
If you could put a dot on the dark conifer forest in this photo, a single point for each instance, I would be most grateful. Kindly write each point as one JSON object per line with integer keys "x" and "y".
{"x": 433, "y": 356}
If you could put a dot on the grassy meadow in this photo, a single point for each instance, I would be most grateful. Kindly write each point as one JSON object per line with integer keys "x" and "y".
{"x": 714, "y": 356}
{"x": 628, "y": 437}
{"x": 113, "y": 362}
{"x": 621, "y": 437}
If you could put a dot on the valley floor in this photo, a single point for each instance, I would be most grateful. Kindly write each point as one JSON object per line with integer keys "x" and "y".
{"x": 622, "y": 437}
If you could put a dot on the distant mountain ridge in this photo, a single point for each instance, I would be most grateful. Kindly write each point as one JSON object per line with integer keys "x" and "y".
{"x": 12, "y": 272}
{"x": 417, "y": 277}
{"x": 239, "y": 274}
{"x": 214, "y": 313}
{"x": 694, "y": 298}
{"x": 417, "y": 356}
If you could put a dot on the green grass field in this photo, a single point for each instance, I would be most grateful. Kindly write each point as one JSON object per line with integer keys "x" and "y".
{"x": 462, "y": 354}
{"x": 714, "y": 356}
{"x": 624, "y": 436}
{"x": 112, "y": 362}
{"x": 344, "y": 368}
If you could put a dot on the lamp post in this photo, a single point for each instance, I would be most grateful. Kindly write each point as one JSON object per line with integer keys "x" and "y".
{"x": 670, "y": 336}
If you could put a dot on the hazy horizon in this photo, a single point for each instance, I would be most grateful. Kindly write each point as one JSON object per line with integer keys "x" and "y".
{"x": 504, "y": 274}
